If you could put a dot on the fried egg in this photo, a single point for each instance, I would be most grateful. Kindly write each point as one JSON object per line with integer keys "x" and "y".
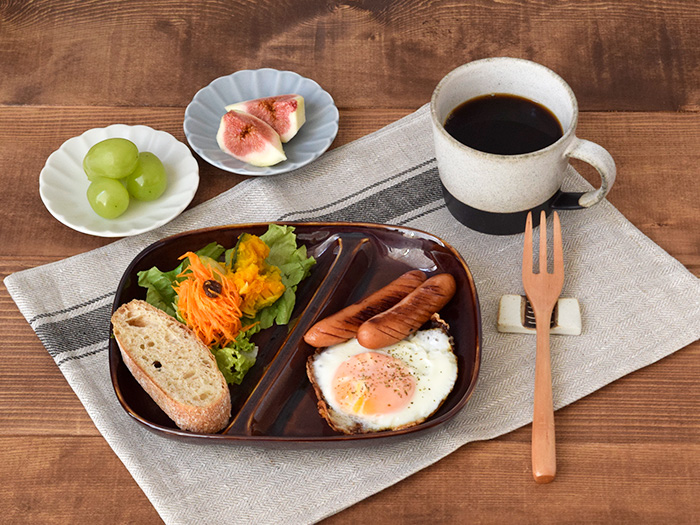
{"x": 394, "y": 387}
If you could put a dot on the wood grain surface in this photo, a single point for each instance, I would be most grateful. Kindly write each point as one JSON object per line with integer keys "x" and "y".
{"x": 628, "y": 453}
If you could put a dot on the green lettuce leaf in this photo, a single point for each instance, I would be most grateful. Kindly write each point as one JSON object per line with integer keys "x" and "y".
{"x": 159, "y": 288}
{"x": 235, "y": 360}
{"x": 294, "y": 265}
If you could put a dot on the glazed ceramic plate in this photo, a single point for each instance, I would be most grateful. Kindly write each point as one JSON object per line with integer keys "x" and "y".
{"x": 276, "y": 402}
{"x": 63, "y": 183}
{"x": 203, "y": 115}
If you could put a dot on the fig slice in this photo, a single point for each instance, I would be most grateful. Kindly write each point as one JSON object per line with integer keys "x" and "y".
{"x": 285, "y": 113}
{"x": 249, "y": 139}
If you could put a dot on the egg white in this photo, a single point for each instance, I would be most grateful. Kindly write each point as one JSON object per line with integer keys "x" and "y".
{"x": 428, "y": 356}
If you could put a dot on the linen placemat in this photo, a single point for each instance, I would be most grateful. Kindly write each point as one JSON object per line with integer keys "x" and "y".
{"x": 638, "y": 305}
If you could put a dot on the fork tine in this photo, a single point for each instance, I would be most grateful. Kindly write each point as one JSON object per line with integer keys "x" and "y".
{"x": 543, "y": 242}
{"x": 527, "y": 247}
{"x": 558, "y": 248}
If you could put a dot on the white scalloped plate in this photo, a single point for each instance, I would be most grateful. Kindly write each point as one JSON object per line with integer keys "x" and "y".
{"x": 63, "y": 183}
{"x": 204, "y": 112}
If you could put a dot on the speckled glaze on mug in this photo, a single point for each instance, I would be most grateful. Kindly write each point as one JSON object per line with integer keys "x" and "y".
{"x": 493, "y": 193}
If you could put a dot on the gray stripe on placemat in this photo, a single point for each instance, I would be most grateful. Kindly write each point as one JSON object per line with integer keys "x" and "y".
{"x": 385, "y": 205}
{"x": 422, "y": 213}
{"x": 70, "y": 308}
{"x": 72, "y": 334}
{"x": 393, "y": 201}
{"x": 87, "y": 352}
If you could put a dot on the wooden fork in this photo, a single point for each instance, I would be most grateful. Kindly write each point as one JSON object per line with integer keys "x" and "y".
{"x": 543, "y": 290}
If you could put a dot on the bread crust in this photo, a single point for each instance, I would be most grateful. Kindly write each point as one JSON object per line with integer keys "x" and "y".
{"x": 208, "y": 418}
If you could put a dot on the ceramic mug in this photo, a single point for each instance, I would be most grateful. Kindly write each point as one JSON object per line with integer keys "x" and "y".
{"x": 493, "y": 193}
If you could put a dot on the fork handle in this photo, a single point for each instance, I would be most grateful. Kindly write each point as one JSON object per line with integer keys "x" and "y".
{"x": 544, "y": 461}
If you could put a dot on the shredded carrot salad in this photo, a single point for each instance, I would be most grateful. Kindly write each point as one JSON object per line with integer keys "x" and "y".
{"x": 209, "y": 302}
{"x": 212, "y": 298}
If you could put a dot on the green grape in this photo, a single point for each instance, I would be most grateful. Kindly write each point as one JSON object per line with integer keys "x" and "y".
{"x": 148, "y": 180}
{"x": 108, "y": 197}
{"x": 112, "y": 158}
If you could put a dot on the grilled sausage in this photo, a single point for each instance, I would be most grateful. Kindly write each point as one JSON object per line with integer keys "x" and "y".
{"x": 343, "y": 325}
{"x": 409, "y": 314}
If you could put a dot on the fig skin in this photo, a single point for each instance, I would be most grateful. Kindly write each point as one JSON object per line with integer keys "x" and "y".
{"x": 249, "y": 139}
{"x": 284, "y": 113}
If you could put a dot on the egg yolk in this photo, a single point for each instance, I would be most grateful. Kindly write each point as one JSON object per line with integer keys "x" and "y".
{"x": 372, "y": 383}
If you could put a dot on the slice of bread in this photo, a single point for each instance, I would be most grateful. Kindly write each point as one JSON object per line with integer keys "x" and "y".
{"x": 173, "y": 366}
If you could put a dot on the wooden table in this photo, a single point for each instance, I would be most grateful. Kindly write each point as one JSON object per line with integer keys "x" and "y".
{"x": 629, "y": 453}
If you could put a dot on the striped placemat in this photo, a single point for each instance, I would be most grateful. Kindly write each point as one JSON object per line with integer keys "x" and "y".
{"x": 638, "y": 305}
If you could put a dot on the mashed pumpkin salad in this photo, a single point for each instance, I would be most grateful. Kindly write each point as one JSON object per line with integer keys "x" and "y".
{"x": 226, "y": 295}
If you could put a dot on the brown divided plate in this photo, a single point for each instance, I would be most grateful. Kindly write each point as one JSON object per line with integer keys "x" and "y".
{"x": 276, "y": 403}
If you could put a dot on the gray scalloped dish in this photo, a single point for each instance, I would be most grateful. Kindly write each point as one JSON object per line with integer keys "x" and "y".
{"x": 204, "y": 112}
{"x": 276, "y": 403}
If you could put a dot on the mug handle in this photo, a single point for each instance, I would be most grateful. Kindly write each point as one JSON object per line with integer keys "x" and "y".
{"x": 598, "y": 157}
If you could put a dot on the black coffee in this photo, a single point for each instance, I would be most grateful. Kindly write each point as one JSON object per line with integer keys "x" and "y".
{"x": 503, "y": 124}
